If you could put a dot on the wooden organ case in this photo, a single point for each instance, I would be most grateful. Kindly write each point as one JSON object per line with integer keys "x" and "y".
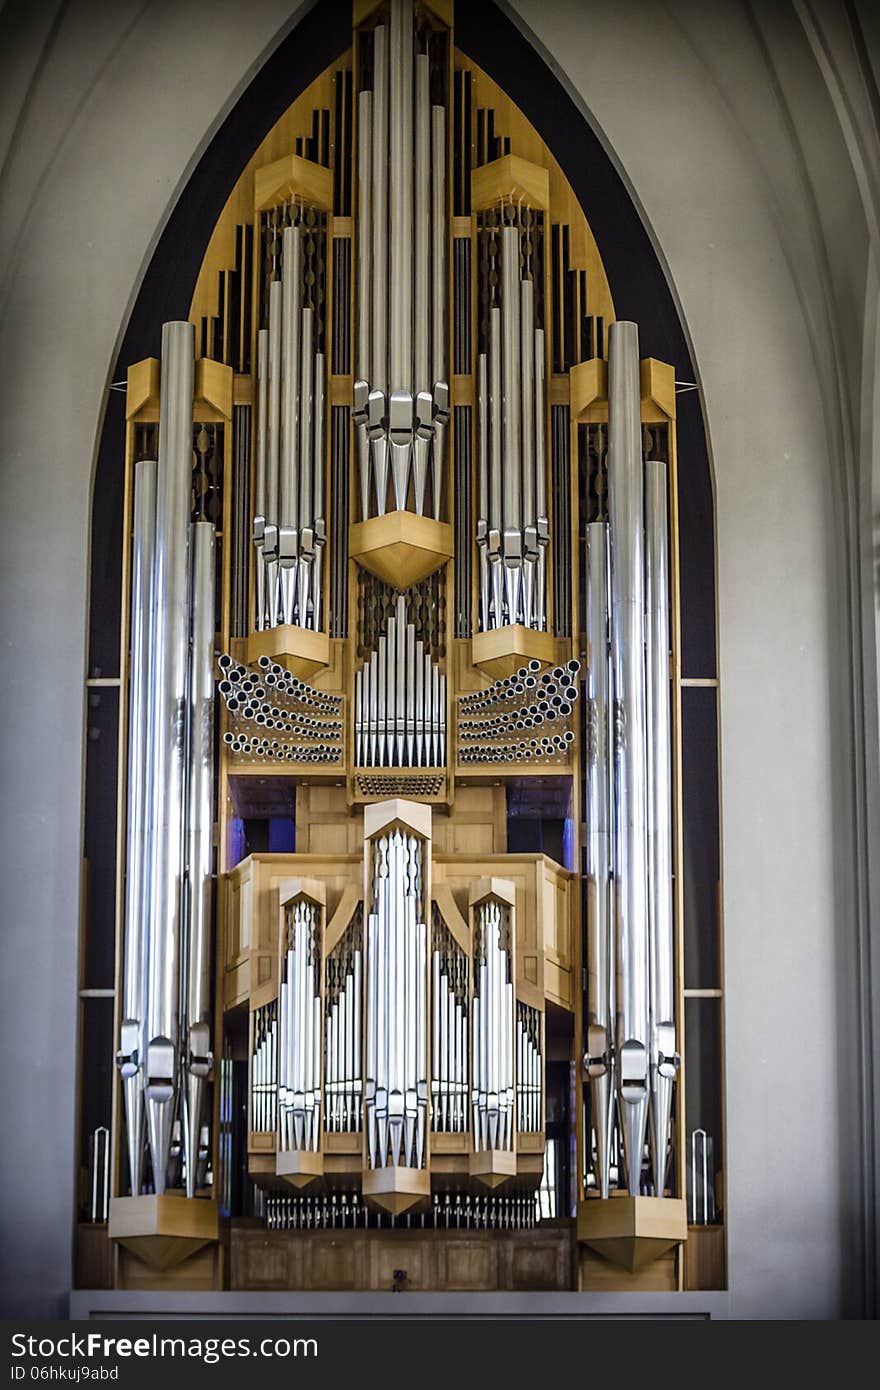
{"x": 423, "y": 978}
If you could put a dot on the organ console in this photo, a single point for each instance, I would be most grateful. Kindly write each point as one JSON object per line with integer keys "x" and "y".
{"x": 400, "y": 941}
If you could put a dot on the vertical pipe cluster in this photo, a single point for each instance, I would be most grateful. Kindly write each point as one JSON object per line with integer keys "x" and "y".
{"x": 289, "y": 525}
{"x": 449, "y": 1031}
{"x": 401, "y": 392}
{"x": 512, "y": 526}
{"x": 164, "y": 1046}
{"x": 396, "y": 1085}
{"x": 299, "y": 1029}
{"x": 400, "y": 701}
{"x": 529, "y": 1069}
{"x": 264, "y": 1069}
{"x": 342, "y": 1033}
{"x": 492, "y": 1069}
{"x": 630, "y": 1013}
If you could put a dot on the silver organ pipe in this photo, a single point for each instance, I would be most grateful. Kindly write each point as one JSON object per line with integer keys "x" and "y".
{"x": 199, "y": 830}
{"x": 438, "y": 296}
{"x": 137, "y": 877}
{"x": 492, "y": 1082}
{"x": 529, "y": 1069}
{"x": 645, "y": 1060}
{"x": 170, "y": 640}
{"x": 291, "y": 344}
{"x": 396, "y": 1087}
{"x": 164, "y": 1051}
{"x": 400, "y": 700}
{"x": 364, "y": 262}
{"x": 270, "y": 531}
{"x": 290, "y": 530}
{"x": 449, "y": 1031}
{"x": 401, "y": 395}
{"x": 264, "y": 1069}
{"x": 600, "y": 938}
{"x": 342, "y": 1042}
{"x": 663, "y": 1054}
{"x": 626, "y": 508}
{"x": 512, "y": 530}
{"x": 260, "y": 478}
{"x": 299, "y": 1004}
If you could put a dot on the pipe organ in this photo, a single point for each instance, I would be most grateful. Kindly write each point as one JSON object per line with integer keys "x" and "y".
{"x": 421, "y": 895}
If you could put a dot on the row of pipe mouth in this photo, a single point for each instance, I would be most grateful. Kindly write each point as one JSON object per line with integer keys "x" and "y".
{"x": 562, "y": 702}
{"x": 504, "y": 691}
{"x": 545, "y": 741}
{"x": 283, "y": 719}
{"x": 274, "y": 675}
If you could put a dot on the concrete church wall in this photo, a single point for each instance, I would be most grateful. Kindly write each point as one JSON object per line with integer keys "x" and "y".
{"x": 105, "y": 110}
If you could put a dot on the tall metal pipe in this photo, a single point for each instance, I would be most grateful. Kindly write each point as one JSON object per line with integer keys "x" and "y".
{"x": 200, "y": 817}
{"x": 626, "y": 508}
{"x": 400, "y": 193}
{"x": 130, "y": 1058}
{"x": 364, "y": 367}
{"x": 511, "y": 382}
{"x": 260, "y": 475}
{"x": 291, "y": 460}
{"x": 663, "y": 1055}
{"x": 600, "y": 940}
{"x": 170, "y": 641}
{"x": 440, "y": 287}
{"x": 424, "y": 307}
{"x": 379, "y": 363}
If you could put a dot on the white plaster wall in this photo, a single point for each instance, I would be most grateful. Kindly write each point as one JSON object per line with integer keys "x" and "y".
{"x": 110, "y": 106}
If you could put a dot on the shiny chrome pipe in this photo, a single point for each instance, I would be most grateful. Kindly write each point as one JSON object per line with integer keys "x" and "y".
{"x": 130, "y": 1057}
{"x": 270, "y": 536}
{"x": 291, "y": 460}
{"x": 400, "y": 194}
{"x": 626, "y": 509}
{"x": 307, "y": 460}
{"x": 496, "y": 499}
{"x": 170, "y": 637}
{"x": 511, "y": 381}
{"x": 483, "y": 487}
{"x": 421, "y": 230}
{"x": 260, "y": 476}
{"x": 318, "y": 519}
{"x": 599, "y": 1059}
{"x": 541, "y": 483}
{"x": 663, "y": 1053}
{"x": 530, "y": 504}
{"x": 439, "y": 297}
{"x": 379, "y": 362}
{"x": 200, "y": 820}
{"x": 365, "y": 370}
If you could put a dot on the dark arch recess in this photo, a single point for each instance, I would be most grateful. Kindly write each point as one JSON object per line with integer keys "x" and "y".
{"x": 638, "y": 285}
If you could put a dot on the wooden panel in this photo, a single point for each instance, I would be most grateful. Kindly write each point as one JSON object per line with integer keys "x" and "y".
{"x": 93, "y": 1258}
{"x": 333, "y": 1263}
{"x": 537, "y": 1264}
{"x": 388, "y": 1254}
{"x": 328, "y": 839}
{"x": 601, "y": 1276}
{"x": 478, "y": 1261}
{"x": 704, "y": 1258}
{"x": 202, "y": 1271}
{"x": 468, "y": 1264}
